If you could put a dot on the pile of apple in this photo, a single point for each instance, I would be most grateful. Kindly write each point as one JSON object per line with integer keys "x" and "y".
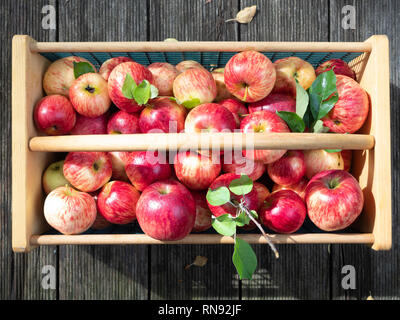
{"x": 169, "y": 200}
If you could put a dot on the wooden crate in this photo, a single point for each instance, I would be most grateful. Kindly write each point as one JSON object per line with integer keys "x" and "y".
{"x": 31, "y": 153}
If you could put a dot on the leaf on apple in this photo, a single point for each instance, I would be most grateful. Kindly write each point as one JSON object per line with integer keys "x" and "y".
{"x": 333, "y": 150}
{"x": 153, "y": 92}
{"x": 81, "y": 68}
{"x": 302, "y": 100}
{"x": 224, "y": 225}
{"x": 128, "y": 87}
{"x": 241, "y": 186}
{"x": 295, "y": 123}
{"x": 254, "y": 214}
{"x": 242, "y": 219}
{"x": 190, "y": 104}
{"x": 319, "y": 127}
{"x": 244, "y": 259}
{"x": 142, "y": 92}
{"x": 219, "y": 196}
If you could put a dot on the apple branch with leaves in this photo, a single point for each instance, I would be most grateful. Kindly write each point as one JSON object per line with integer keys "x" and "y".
{"x": 141, "y": 92}
{"x": 244, "y": 258}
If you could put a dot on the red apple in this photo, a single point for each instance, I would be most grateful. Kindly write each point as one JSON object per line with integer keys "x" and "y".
{"x": 54, "y": 115}
{"x": 166, "y": 210}
{"x": 53, "y": 177}
{"x": 238, "y": 164}
{"x": 347, "y": 156}
{"x": 274, "y": 102}
{"x": 164, "y": 115}
{"x": 334, "y": 200}
{"x": 60, "y": 75}
{"x": 86, "y": 125}
{"x": 249, "y": 76}
{"x": 298, "y": 187}
{"x": 118, "y": 162}
{"x": 338, "y": 66}
{"x": 87, "y": 171}
{"x": 321, "y": 160}
{"x": 187, "y": 64}
{"x": 237, "y": 108}
{"x": 222, "y": 92}
{"x": 289, "y": 169}
{"x": 283, "y": 211}
{"x": 117, "y": 202}
{"x": 290, "y": 69}
{"x": 110, "y": 64}
{"x": 196, "y": 171}
{"x": 210, "y": 117}
{"x": 123, "y": 122}
{"x": 203, "y": 214}
{"x": 89, "y": 95}
{"x": 69, "y": 211}
{"x": 164, "y": 75}
{"x": 142, "y": 169}
{"x": 100, "y": 223}
{"x": 250, "y": 199}
{"x": 262, "y": 192}
{"x": 116, "y": 81}
{"x": 263, "y": 121}
{"x": 194, "y": 86}
{"x": 351, "y": 110}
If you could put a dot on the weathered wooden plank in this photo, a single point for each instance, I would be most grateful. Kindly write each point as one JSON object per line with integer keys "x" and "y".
{"x": 302, "y": 272}
{"x": 192, "y": 20}
{"x": 20, "y": 273}
{"x": 377, "y": 272}
{"x": 105, "y": 272}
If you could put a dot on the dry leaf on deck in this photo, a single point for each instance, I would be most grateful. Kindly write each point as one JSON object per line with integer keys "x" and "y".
{"x": 199, "y": 261}
{"x": 245, "y": 15}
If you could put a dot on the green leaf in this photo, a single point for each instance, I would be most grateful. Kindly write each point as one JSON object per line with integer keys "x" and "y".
{"x": 81, "y": 68}
{"x": 307, "y": 118}
{"x": 324, "y": 85}
{"x": 224, "y": 225}
{"x": 153, "y": 92}
{"x": 302, "y": 100}
{"x": 244, "y": 259}
{"x": 190, "y": 104}
{"x": 327, "y": 106}
{"x": 128, "y": 87}
{"x": 219, "y": 196}
{"x": 254, "y": 214}
{"x": 142, "y": 92}
{"x": 295, "y": 123}
{"x": 333, "y": 150}
{"x": 315, "y": 102}
{"x": 319, "y": 127}
{"x": 241, "y": 186}
{"x": 242, "y": 219}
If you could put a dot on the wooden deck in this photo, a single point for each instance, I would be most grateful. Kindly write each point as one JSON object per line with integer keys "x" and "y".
{"x": 157, "y": 272}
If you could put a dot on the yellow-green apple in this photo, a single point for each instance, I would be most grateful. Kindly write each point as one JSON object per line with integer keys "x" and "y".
{"x": 249, "y": 76}
{"x": 274, "y": 102}
{"x": 117, "y": 202}
{"x": 289, "y": 169}
{"x": 351, "y": 110}
{"x": 54, "y": 115}
{"x": 222, "y": 92}
{"x": 250, "y": 199}
{"x": 334, "y": 200}
{"x": 53, "y": 177}
{"x": 110, "y": 64}
{"x": 338, "y": 66}
{"x": 203, "y": 214}
{"x": 347, "y": 156}
{"x": 263, "y": 121}
{"x": 283, "y": 211}
{"x": 321, "y": 160}
{"x": 60, "y": 75}
{"x": 143, "y": 169}
{"x": 123, "y": 122}
{"x": 237, "y": 108}
{"x": 194, "y": 86}
{"x": 196, "y": 171}
{"x": 290, "y": 69}
{"x": 238, "y": 164}
{"x": 164, "y": 75}
{"x": 116, "y": 81}
{"x": 188, "y": 64}
{"x": 100, "y": 223}
{"x": 162, "y": 115}
{"x": 69, "y": 211}
{"x": 166, "y": 210}
{"x": 298, "y": 187}
{"x": 262, "y": 192}
{"x": 85, "y": 125}
{"x": 87, "y": 171}
{"x": 118, "y": 162}
{"x": 89, "y": 95}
